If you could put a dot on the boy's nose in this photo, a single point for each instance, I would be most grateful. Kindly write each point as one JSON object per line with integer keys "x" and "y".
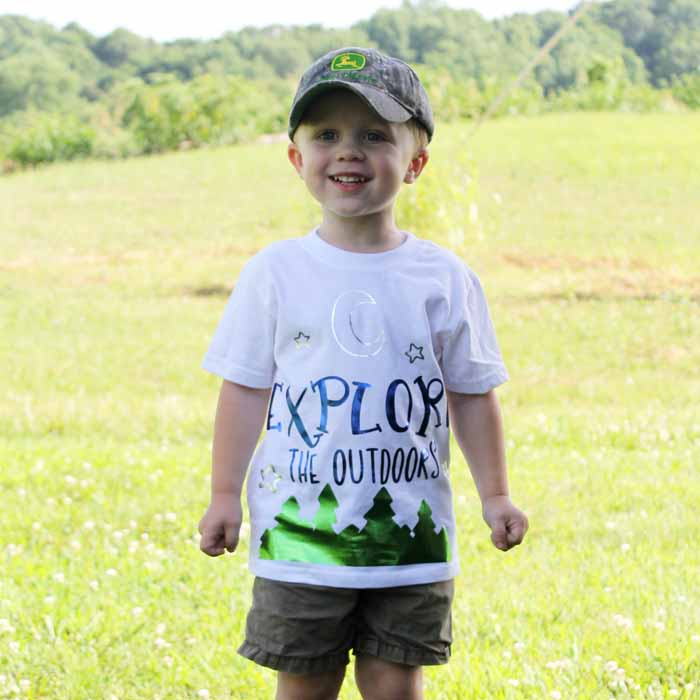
{"x": 349, "y": 150}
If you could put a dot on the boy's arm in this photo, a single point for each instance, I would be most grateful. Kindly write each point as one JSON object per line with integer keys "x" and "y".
{"x": 476, "y": 422}
{"x": 240, "y": 413}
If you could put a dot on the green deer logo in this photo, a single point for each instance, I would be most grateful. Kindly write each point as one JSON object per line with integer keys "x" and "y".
{"x": 348, "y": 61}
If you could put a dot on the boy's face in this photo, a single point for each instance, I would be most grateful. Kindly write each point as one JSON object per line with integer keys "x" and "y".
{"x": 353, "y": 161}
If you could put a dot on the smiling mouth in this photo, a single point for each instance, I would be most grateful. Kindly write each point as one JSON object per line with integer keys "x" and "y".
{"x": 348, "y": 179}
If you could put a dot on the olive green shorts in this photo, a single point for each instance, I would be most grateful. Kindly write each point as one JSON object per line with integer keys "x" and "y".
{"x": 299, "y": 628}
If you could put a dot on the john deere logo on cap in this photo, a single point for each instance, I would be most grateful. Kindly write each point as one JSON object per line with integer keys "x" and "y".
{"x": 348, "y": 61}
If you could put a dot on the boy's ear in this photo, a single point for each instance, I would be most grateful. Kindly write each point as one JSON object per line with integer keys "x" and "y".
{"x": 415, "y": 167}
{"x": 295, "y": 157}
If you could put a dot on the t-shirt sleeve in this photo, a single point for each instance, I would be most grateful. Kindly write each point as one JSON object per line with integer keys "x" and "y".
{"x": 242, "y": 349}
{"x": 471, "y": 358}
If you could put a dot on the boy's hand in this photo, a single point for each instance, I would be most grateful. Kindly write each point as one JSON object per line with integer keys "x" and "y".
{"x": 220, "y": 525}
{"x": 508, "y": 524}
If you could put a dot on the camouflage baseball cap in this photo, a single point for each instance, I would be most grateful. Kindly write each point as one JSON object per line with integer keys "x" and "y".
{"x": 388, "y": 85}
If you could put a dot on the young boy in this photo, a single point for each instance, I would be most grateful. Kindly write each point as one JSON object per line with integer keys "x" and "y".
{"x": 349, "y": 344}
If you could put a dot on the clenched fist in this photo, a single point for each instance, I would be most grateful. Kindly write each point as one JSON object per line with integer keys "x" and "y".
{"x": 220, "y": 525}
{"x": 508, "y": 524}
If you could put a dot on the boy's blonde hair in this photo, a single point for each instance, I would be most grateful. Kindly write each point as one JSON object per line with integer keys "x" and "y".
{"x": 420, "y": 135}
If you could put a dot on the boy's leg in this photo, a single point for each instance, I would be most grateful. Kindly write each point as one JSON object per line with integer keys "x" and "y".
{"x": 309, "y": 686}
{"x": 400, "y": 630}
{"x": 385, "y": 680}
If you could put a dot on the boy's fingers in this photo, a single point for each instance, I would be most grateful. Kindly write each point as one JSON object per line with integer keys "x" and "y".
{"x": 516, "y": 534}
{"x": 498, "y": 536}
{"x": 210, "y": 544}
{"x": 517, "y": 531}
{"x": 231, "y": 538}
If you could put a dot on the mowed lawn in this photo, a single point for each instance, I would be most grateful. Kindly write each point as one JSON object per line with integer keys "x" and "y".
{"x": 585, "y": 231}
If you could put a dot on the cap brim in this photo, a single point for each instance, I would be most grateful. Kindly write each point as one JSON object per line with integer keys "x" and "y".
{"x": 384, "y": 105}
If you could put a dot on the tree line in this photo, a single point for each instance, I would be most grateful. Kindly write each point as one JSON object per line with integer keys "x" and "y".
{"x": 66, "y": 93}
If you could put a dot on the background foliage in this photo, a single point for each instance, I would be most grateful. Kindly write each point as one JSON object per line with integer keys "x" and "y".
{"x": 122, "y": 94}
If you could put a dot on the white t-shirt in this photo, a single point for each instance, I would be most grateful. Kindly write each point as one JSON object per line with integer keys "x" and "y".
{"x": 350, "y": 485}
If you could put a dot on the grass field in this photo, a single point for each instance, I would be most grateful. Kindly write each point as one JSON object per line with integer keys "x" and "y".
{"x": 585, "y": 230}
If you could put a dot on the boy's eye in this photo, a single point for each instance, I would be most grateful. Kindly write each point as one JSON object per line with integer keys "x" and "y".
{"x": 326, "y": 135}
{"x": 375, "y": 136}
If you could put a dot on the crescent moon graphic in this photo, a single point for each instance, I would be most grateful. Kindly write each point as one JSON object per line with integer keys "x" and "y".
{"x": 357, "y": 324}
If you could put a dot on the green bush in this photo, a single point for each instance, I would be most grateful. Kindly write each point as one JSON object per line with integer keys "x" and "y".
{"x": 47, "y": 138}
{"x": 608, "y": 88}
{"x": 455, "y": 99}
{"x": 209, "y": 109}
{"x": 686, "y": 89}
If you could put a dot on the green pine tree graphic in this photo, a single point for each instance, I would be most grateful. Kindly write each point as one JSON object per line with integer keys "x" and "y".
{"x": 381, "y": 542}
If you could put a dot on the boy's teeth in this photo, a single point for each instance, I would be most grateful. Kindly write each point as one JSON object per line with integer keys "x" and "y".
{"x": 348, "y": 178}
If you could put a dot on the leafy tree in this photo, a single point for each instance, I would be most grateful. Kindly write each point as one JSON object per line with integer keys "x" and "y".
{"x": 122, "y": 47}
{"x": 18, "y": 32}
{"x": 36, "y": 78}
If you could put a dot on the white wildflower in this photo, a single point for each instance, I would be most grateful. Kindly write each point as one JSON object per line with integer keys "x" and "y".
{"x": 5, "y": 625}
{"x": 473, "y": 212}
{"x": 622, "y": 621}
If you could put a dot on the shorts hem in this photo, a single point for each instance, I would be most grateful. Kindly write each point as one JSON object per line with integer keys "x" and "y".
{"x": 401, "y": 655}
{"x": 294, "y": 664}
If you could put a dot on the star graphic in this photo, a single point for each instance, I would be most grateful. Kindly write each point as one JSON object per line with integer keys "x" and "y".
{"x": 302, "y": 340}
{"x": 418, "y": 353}
{"x": 269, "y": 478}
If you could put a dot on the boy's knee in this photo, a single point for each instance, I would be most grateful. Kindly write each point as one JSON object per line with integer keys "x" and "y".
{"x": 309, "y": 686}
{"x": 384, "y": 680}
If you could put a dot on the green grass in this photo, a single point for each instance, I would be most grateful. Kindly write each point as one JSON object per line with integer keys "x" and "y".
{"x": 585, "y": 231}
